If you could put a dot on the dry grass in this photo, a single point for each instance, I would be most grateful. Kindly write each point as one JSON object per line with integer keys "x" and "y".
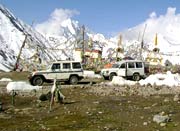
{"x": 85, "y": 111}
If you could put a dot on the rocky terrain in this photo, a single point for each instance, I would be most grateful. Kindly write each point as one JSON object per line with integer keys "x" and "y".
{"x": 95, "y": 106}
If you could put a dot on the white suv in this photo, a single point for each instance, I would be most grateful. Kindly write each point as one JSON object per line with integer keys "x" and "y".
{"x": 109, "y": 73}
{"x": 135, "y": 69}
{"x": 68, "y": 71}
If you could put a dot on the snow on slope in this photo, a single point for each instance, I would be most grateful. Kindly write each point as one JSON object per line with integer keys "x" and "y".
{"x": 60, "y": 35}
{"x": 12, "y": 35}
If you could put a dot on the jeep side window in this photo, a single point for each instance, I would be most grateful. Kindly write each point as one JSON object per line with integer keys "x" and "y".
{"x": 139, "y": 65}
{"x": 130, "y": 65}
{"x": 55, "y": 66}
{"x": 123, "y": 65}
{"x": 76, "y": 65}
{"x": 66, "y": 66}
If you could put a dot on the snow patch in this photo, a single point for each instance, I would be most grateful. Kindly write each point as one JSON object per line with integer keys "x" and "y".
{"x": 21, "y": 86}
{"x": 159, "y": 79}
{"x": 117, "y": 80}
{"x": 91, "y": 74}
{"x": 5, "y": 80}
{"x": 167, "y": 79}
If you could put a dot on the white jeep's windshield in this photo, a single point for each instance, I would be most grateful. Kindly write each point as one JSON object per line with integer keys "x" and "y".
{"x": 115, "y": 66}
{"x": 48, "y": 67}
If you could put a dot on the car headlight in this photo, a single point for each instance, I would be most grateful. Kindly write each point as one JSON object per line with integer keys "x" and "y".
{"x": 107, "y": 72}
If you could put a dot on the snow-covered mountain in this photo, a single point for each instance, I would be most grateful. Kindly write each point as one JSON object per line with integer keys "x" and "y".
{"x": 52, "y": 40}
{"x": 12, "y": 36}
{"x": 56, "y": 38}
{"x": 65, "y": 34}
{"x": 167, "y": 28}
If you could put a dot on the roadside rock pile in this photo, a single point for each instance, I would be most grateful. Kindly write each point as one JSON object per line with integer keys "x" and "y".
{"x": 153, "y": 85}
{"x": 137, "y": 89}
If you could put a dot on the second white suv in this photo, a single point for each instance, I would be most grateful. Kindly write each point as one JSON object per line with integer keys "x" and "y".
{"x": 68, "y": 71}
{"x": 135, "y": 69}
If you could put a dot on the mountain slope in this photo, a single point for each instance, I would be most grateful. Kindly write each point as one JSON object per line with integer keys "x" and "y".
{"x": 49, "y": 44}
{"x": 57, "y": 40}
{"x": 12, "y": 35}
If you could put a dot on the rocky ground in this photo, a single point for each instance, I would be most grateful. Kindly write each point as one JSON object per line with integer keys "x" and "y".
{"x": 93, "y": 107}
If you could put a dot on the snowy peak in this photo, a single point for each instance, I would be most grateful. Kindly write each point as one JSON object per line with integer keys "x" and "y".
{"x": 70, "y": 25}
{"x": 12, "y": 35}
{"x": 64, "y": 35}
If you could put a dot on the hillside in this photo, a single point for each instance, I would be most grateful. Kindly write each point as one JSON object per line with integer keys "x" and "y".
{"x": 12, "y": 36}
{"x": 59, "y": 40}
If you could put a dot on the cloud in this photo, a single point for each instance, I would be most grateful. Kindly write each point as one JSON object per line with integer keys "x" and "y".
{"x": 163, "y": 24}
{"x": 167, "y": 26}
{"x": 171, "y": 11}
{"x": 53, "y": 25}
{"x": 152, "y": 15}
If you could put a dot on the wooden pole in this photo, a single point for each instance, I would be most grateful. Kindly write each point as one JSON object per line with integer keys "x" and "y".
{"x": 18, "y": 57}
{"x": 51, "y": 102}
{"x": 1, "y": 106}
{"x": 83, "y": 46}
{"x": 13, "y": 97}
{"x": 52, "y": 94}
{"x": 142, "y": 42}
{"x": 118, "y": 50}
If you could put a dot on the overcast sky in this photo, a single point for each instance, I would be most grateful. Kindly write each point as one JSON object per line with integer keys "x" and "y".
{"x": 102, "y": 16}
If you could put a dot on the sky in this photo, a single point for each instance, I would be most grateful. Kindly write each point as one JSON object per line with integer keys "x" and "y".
{"x": 101, "y": 16}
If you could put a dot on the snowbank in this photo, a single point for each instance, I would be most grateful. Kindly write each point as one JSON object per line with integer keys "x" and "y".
{"x": 168, "y": 79}
{"x": 5, "y": 80}
{"x": 117, "y": 80}
{"x": 21, "y": 86}
{"x": 91, "y": 74}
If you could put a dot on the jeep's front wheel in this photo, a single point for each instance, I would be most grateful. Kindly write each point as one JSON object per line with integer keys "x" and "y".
{"x": 106, "y": 77}
{"x": 37, "y": 81}
{"x": 73, "y": 80}
{"x": 136, "y": 77}
{"x": 111, "y": 76}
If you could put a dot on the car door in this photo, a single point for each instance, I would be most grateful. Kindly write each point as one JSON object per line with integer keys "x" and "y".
{"x": 122, "y": 70}
{"x": 66, "y": 70}
{"x": 139, "y": 68}
{"x": 77, "y": 68}
{"x": 54, "y": 71}
{"x": 130, "y": 68}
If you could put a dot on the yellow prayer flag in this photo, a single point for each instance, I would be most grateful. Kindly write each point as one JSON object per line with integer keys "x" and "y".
{"x": 156, "y": 40}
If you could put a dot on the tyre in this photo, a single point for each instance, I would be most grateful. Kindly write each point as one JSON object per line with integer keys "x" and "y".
{"x": 73, "y": 80}
{"x": 136, "y": 77}
{"x": 111, "y": 76}
{"x": 37, "y": 81}
{"x": 106, "y": 78}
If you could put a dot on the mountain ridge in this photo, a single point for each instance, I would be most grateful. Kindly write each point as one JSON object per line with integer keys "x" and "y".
{"x": 60, "y": 43}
